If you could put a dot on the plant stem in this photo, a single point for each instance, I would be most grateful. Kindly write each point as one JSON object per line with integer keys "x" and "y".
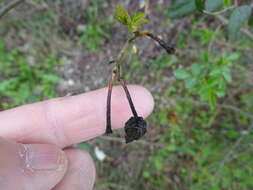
{"x": 117, "y": 64}
{"x": 123, "y": 83}
{"x": 9, "y": 6}
{"x": 169, "y": 49}
{"x": 116, "y": 71}
{"x": 108, "y": 106}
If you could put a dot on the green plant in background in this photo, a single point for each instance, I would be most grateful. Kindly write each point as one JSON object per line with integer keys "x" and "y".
{"x": 197, "y": 156}
{"x": 210, "y": 149}
{"x": 238, "y": 17}
{"x": 95, "y": 30}
{"x": 23, "y": 82}
{"x": 209, "y": 78}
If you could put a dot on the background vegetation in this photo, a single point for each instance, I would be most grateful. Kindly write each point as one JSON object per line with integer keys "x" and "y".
{"x": 200, "y": 134}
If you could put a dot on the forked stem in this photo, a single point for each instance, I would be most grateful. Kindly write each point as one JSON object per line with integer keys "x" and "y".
{"x": 117, "y": 72}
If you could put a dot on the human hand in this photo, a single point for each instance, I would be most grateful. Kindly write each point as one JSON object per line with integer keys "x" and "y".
{"x": 33, "y": 137}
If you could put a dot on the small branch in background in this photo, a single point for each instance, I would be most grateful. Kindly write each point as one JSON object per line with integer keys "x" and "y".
{"x": 139, "y": 142}
{"x": 39, "y": 6}
{"x": 213, "y": 38}
{"x": 8, "y": 7}
{"x": 224, "y": 106}
{"x": 231, "y": 152}
{"x": 243, "y": 30}
{"x": 219, "y": 12}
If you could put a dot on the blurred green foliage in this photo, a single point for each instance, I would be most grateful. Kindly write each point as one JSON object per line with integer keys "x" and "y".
{"x": 24, "y": 82}
{"x": 209, "y": 78}
{"x": 237, "y": 17}
{"x": 95, "y": 31}
{"x": 200, "y": 156}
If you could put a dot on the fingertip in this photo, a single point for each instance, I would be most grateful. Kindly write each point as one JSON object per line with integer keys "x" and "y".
{"x": 33, "y": 166}
{"x": 81, "y": 172}
{"x": 69, "y": 120}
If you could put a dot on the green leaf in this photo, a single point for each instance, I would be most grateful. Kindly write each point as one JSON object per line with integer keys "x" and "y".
{"x": 216, "y": 71}
{"x": 213, "y": 5}
{"x": 204, "y": 91}
{"x": 121, "y": 15}
{"x": 237, "y": 19}
{"x": 227, "y": 3}
{"x": 196, "y": 69}
{"x": 159, "y": 163}
{"x": 250, "y": 22}
{"x": 51, "y": 78}
{"x": 137, "y": 16}
{"x": 171, "y": 148}
{"x": 190, "y": 83}
{"x": 183, "y": 8}
{"x": 200, "y": 4}
{"x": 212, "y": 100}
{"x": 181, "y": 74}
{"x": 142, "y": 21}
{"x": 146, "y": 174}
{"x": 227, "y": 74}
{"x": 5, "y": 84}
{"x": 233, "y": 56}
{"x": 220, "y": 92}
{"x": 233, "y": 133}
{"x": 23, "y": 91}
{"x": 133, "y": 22}
{"x": 179, "y": 3}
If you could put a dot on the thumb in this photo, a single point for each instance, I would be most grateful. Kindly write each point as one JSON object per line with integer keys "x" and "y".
{"x": 30, "y": 166}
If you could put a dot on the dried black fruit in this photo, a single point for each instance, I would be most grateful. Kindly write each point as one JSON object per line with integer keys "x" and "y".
{"x": 135, "y": 128}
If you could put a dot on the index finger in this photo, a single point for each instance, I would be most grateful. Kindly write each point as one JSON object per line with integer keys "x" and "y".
{"x": 69, "y": 120}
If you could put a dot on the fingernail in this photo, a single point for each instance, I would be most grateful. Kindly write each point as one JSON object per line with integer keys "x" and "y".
{"x": 43, "y": 157}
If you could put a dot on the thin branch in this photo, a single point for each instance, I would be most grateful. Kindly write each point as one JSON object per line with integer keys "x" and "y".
{"x": 232, "y": 149}
{"x": 140, "y": 142}
{"x": 219, "y": 12}
{"x": 224, "y": 106}
{"x": 213, "y": 38}
{"x": 9, "y": 6}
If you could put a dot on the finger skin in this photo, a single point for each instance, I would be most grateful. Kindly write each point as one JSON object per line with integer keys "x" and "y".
{"x": 19, "y": 169}
{"x": 69, "y": 120}
{"x": 81, "y": 171}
